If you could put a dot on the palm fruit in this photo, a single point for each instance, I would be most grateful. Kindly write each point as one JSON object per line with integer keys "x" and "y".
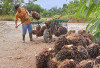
{"x": 47, "y": 24}
{"x": 85, "y": 64}
{"x": 88, "y": 41}
{"x": 70, "y": 48}
{"x": 90, "y": 36}
{"x": 34, "y": 32}
{"x": 40, "y": 32}
{"x": 80, "y": 54}
{"x": 93, "y": 50}
{"x": 82, "y": 31}
{"x": 53, "y": 63}
{"x": 77, "y": 39}
{"x": 86, "y": 35}
{"x": 41, "y": 61}
{"x": 98, "y": 42}
{"x": 97, "y": 60}
{"x": 38, "y": 27}
{"x": 67, "y": 47}
{"x": 56, "y": 33}
{"x": 62, "y": 30}
{"x": 70, "y": 32}
{"x": 35, "y": 15}
{"x": 67, "y": 64}
{"x": 96, "y": 66}
{"x": 43, "y": 58}
{"x": 60, "y": 43}
{"x": 64, "y": 54}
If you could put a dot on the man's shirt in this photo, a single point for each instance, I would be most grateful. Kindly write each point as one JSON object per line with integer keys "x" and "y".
{"x": 23, "y": 16}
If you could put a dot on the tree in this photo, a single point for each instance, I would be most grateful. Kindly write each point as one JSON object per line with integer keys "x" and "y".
{"x": 71, "y": 8}
{"x": 33, "y": 7}
{"x": 65, "y": 7}
{"x": 7, "y": 6}
{"x": 87, "y": 8}
{"x": 31, "y": 1}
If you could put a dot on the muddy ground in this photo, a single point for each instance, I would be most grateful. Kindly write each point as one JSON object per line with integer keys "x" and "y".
{"x": 14, "y": 53}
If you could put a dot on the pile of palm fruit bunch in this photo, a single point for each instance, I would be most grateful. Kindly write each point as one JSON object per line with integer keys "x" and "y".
{"x": 39, "y": 30}
{"x": 74, "y": 50}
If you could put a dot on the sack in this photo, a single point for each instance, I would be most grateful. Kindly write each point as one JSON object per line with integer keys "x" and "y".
{"x": 35, "y": 15}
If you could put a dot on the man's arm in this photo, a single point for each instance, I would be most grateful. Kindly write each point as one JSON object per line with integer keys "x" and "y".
{"x": 28, "y": 13}
{"x": 15, "y": 24}
{"x": 16, "y": 18}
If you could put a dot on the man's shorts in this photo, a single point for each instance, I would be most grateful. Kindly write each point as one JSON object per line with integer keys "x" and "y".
{"x": 25, "y": 27}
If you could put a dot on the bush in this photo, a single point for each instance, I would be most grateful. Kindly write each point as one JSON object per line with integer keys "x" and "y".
{"x": 7, "y": 18}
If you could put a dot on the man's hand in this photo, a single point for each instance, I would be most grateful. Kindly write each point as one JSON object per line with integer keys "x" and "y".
{"x": 30, "y": 15}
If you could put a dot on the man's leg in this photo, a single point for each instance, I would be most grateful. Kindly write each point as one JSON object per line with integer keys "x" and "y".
{"x": 24, "y": 28}
{"x": 30, "y": 32}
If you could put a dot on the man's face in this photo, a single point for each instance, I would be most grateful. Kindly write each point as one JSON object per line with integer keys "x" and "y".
{"x": 19, "y": 10}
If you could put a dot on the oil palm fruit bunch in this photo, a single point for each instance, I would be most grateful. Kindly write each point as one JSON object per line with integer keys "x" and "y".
{"x": 56, "y": 33}
{"x": 64, "y": 54}
{"x": 62, "y": 30}
{"x": 97, "y": 60}
{"x": 80, "y": 54}
{"x": 35, "y": 15}
{"x": 34, "y": 32}
{"x": 86, "y": 35}
{"x": 38, "y": 27}
{"x": 40, "y": 32}
{"x": 43, "y": 58}
{"x": 85, "y": 64}
{"x": 60, "y": 42}
{"x": 70, "y": 32}
{"x": 67, "y": 64}
{"x": 53, "y": 63}
{"x": 93, "y": 50}
{"x": 77, "y": 39}
{"x": 82, "y": 32}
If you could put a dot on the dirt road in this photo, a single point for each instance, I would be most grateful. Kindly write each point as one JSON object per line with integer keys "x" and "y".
{"x": 14, "y": 53}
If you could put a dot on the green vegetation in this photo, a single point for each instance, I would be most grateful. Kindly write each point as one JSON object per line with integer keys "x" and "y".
{"x": 69, "y": 11}
{"x": 7, "y": 18}
{"x": 88, "y": 8}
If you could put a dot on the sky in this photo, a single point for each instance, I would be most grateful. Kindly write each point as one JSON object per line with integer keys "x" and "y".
{"x": 48, "y": 4}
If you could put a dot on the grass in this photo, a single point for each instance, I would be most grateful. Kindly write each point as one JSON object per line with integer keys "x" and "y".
{"x": 7, "y": 18}
{"x": 72, "y": 18}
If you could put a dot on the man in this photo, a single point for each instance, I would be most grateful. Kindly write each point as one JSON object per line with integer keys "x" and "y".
{"x": 23, "y": 15}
